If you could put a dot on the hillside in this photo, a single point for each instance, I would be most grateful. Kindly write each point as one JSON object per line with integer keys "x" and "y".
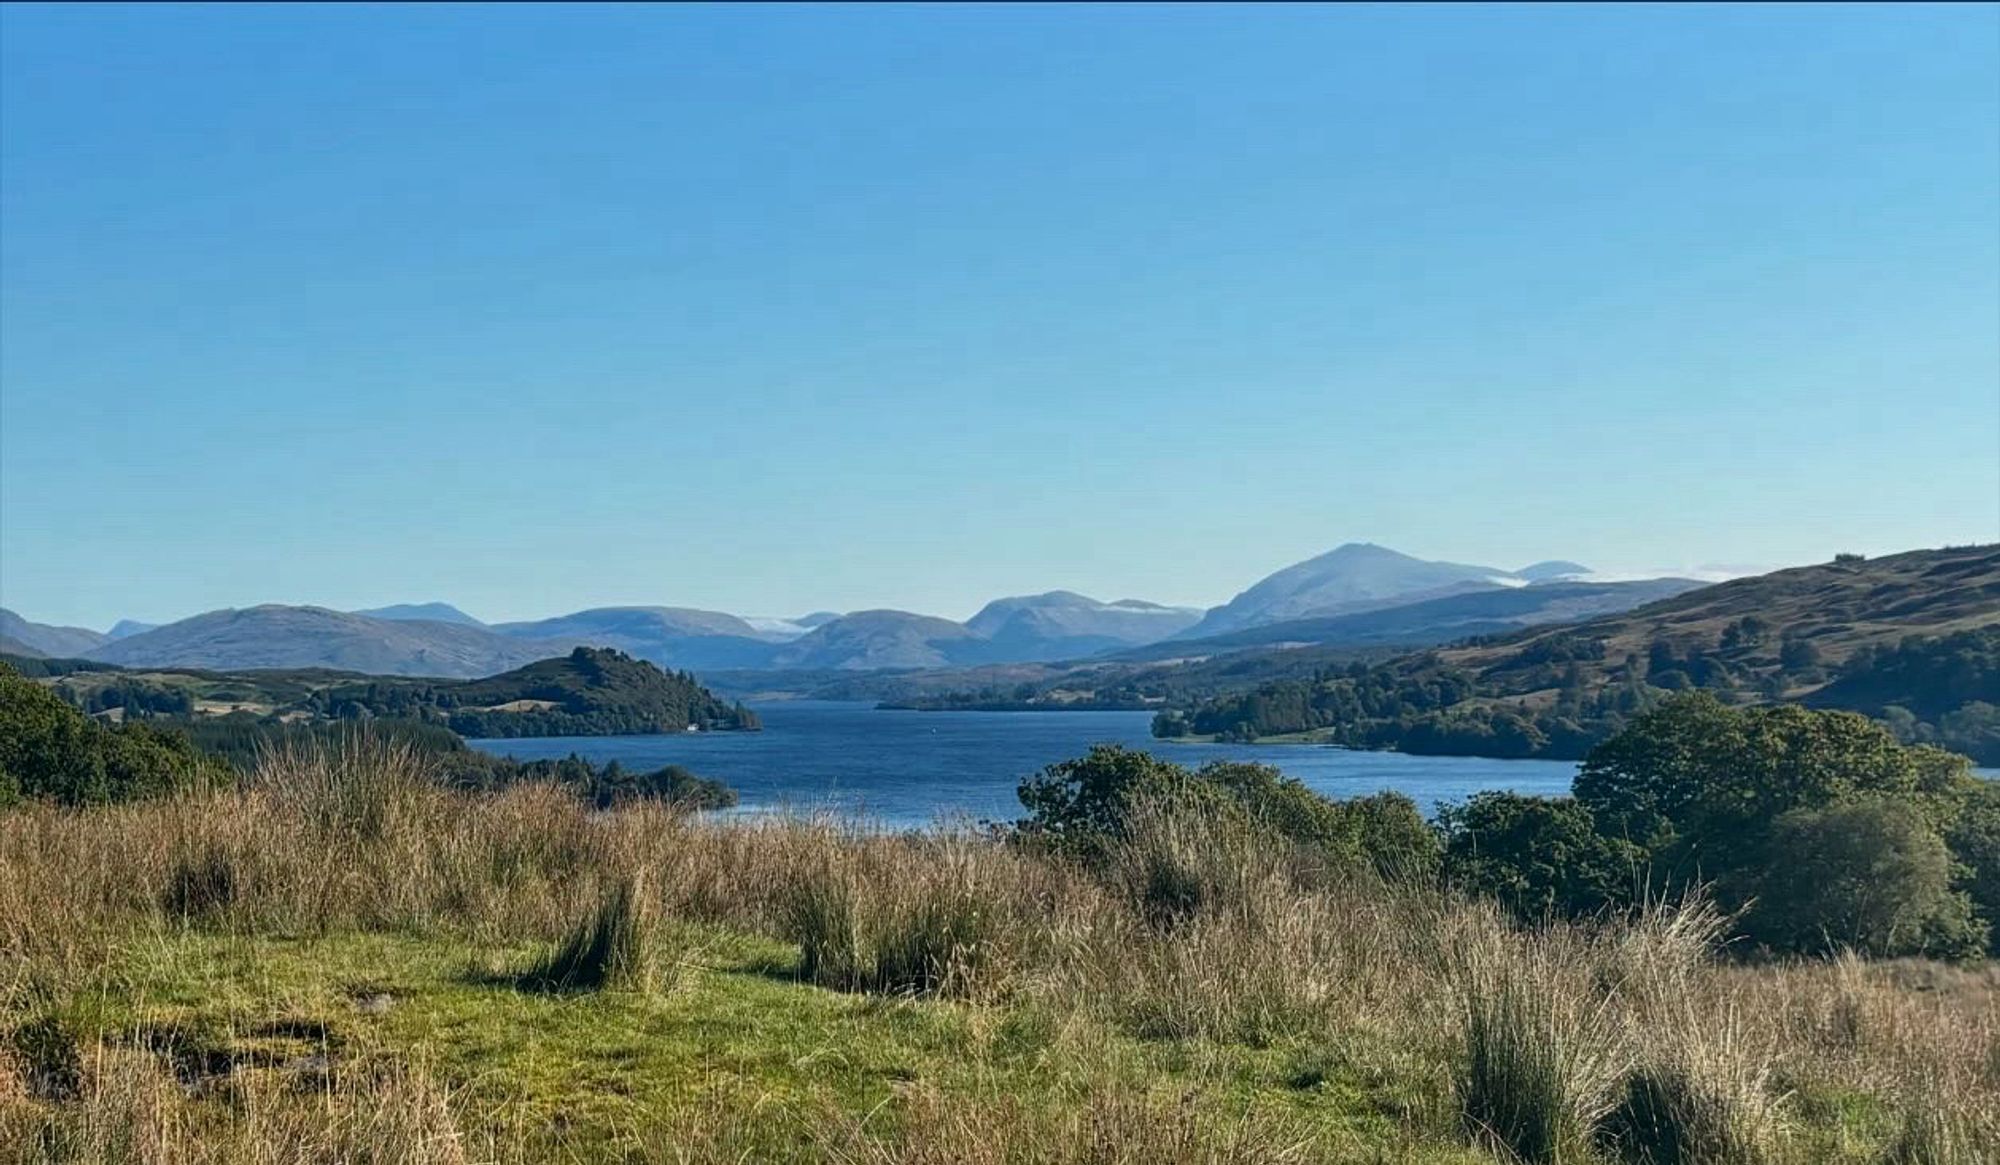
{"x": 590, "y": 691}
{"x": 275, "y": 636}
{"x": 1811, "y": 633}
{"x": 44, "y": 639}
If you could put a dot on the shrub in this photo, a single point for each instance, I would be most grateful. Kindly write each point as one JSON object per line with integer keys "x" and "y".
{"x": 1086, "y": 807}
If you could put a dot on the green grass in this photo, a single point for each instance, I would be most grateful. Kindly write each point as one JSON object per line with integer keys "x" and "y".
{"x": 586, "y": 1072}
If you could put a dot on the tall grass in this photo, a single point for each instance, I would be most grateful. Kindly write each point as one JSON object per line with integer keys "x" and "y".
{"x": 1542, "y": 1059}
{"x": 1628, "y": 1038}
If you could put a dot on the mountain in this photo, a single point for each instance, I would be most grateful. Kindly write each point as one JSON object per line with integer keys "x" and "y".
{"x": 883, "y": 639}
{"x": 418, "y": 612}
{"x": 1359, "y": 576}
{"x": 44, "y": 639}
{"x": 125, "y": 628}
{"x": 274, "y": 636}
{"x": 679, "y": 637}
{"x": 1066, "y": 625}
{"x": 816, "y": 619}
{"x": 1913, "y": 627}
{"x": 1432, "y": 621}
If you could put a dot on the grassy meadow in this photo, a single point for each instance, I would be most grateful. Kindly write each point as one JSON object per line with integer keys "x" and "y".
{"x": 343, "y": 960}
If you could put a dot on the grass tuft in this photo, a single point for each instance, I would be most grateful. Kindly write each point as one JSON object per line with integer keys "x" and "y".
{"x": 609, "y": 949}
{"x": 1540, "y": 1065}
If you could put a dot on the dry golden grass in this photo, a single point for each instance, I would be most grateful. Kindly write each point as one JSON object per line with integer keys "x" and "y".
{"x": 1197, "y": 950}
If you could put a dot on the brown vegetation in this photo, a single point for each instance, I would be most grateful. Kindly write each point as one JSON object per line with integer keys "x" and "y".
{"x": 1471, "y": 1036}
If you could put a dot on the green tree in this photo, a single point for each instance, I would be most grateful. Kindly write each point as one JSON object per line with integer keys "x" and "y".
{"x": 51, "y": 751}
{"x": 1871, "y": 875}
{"x": 1698, "y": 783}
{"x": 1974, "y": 838}
{"x": 1537, "y": 855}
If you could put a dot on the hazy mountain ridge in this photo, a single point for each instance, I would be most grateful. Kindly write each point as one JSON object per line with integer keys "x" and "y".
{"x": 1064, "y": 624}
{"x": 273, "y": 636}
{"x": 47, "y": 639}
{"x": 433, "y": 612}
{"x": 865, "y": 640}
{"x": 1436, "y": 620}
{"x": 680, "y": 637}
{"x": 404, "y": 638}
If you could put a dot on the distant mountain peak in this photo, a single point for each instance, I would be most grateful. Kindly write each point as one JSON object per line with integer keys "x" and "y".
{"x": 436, "y": 612}
{"x": 1068, "y": 625}
{"x": 46, "y": 639}
{"x": 1553, "y": 569}
{"x": 1352, "y": 577}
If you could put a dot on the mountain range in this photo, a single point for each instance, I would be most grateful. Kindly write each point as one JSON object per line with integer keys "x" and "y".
{"x": 438, "y": 639}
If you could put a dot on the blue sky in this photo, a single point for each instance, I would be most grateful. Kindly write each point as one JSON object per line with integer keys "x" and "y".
{"x": 771, "y": 309}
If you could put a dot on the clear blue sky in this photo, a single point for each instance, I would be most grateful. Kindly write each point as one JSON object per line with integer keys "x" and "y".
{"x": 771, "y": 309}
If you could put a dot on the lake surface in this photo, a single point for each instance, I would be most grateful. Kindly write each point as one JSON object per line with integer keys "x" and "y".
{"x": 913, "y": 768}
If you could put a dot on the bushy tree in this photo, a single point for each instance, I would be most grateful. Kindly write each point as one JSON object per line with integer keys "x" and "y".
{"x": 1698, "y": 783}
{"x": 1973, "y": 836}
{"x": 51, "y": 751}
{"x": 1869, "y": 875}
{"x": 1538, "y": 855}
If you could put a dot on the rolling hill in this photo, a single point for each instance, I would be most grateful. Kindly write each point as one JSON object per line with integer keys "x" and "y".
{"x": 1800, "y": 634}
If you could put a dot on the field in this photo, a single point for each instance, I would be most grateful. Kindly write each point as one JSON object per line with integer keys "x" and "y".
{"x": 344, "y": 962}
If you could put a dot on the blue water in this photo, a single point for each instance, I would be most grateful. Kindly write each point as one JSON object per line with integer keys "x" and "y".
{"x": 908, "y": 769}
